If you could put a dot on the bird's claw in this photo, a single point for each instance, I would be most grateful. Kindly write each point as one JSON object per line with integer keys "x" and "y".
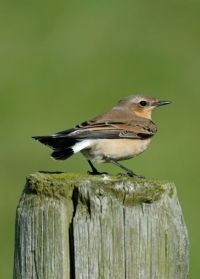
{"x": 97, "y": 173}
{"x": 131, "y": 174}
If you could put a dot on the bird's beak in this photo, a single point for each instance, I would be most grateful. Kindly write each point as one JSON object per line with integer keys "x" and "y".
{"x": 162, "y": 103}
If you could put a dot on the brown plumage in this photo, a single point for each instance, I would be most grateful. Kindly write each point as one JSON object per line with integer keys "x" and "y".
{"x": 122, "y": 133}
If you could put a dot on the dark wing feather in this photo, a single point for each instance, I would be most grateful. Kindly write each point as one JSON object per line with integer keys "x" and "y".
{"x": 108, "y": 131}
{"x": 104, "y": 134}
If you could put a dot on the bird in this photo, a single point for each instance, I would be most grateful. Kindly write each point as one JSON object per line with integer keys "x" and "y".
{"x": 119, "y": 134}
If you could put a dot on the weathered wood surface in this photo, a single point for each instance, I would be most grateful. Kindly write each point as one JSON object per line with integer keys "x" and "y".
{"x": 81, "y": 227}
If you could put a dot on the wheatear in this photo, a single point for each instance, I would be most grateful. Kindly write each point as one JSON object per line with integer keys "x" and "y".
{"x": 120, "y": 134}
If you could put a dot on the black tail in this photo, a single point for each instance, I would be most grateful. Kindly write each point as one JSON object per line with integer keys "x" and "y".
{"x": 56, "y": 142}
{"x": 62, "y": 146}
{"x": 62, "y": 154}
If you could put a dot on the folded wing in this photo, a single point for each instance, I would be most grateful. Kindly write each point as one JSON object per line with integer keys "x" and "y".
{"x": 65, "y": 143}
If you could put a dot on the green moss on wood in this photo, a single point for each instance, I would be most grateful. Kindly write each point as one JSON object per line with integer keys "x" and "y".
{"x": 55, "y": 185}
{"x": 129, "y": 191}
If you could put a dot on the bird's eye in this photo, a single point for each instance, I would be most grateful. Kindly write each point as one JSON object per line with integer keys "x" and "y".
{"x": 143, "y": 103}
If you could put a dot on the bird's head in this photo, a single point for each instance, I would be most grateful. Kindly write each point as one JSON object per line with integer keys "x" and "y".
{"x": 141, "y": 105}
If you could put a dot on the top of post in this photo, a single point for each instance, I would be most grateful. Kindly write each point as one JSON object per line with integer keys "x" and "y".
{"x": 128, "y": 190}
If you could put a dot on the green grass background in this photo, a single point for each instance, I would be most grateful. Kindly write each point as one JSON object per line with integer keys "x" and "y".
{"x": 66, "y": 61}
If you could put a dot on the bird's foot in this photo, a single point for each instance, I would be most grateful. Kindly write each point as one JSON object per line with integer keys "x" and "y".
{"x": 97, "y": 173}
{"x": 94, "y": 170}
{"x": 131, "y": 174}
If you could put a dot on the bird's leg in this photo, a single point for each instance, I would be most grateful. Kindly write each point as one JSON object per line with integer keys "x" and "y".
{"x": 94, "y": 170}
{"x": 128, "y": 172}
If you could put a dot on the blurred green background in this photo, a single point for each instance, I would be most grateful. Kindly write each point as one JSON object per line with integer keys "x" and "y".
{"x": 67, "y": 61}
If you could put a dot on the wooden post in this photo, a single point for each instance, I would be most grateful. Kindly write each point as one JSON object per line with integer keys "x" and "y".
{"x": 79, "y": 227}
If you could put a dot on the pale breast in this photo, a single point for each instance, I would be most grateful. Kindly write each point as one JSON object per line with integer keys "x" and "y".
{"x": 117, "y": 149}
